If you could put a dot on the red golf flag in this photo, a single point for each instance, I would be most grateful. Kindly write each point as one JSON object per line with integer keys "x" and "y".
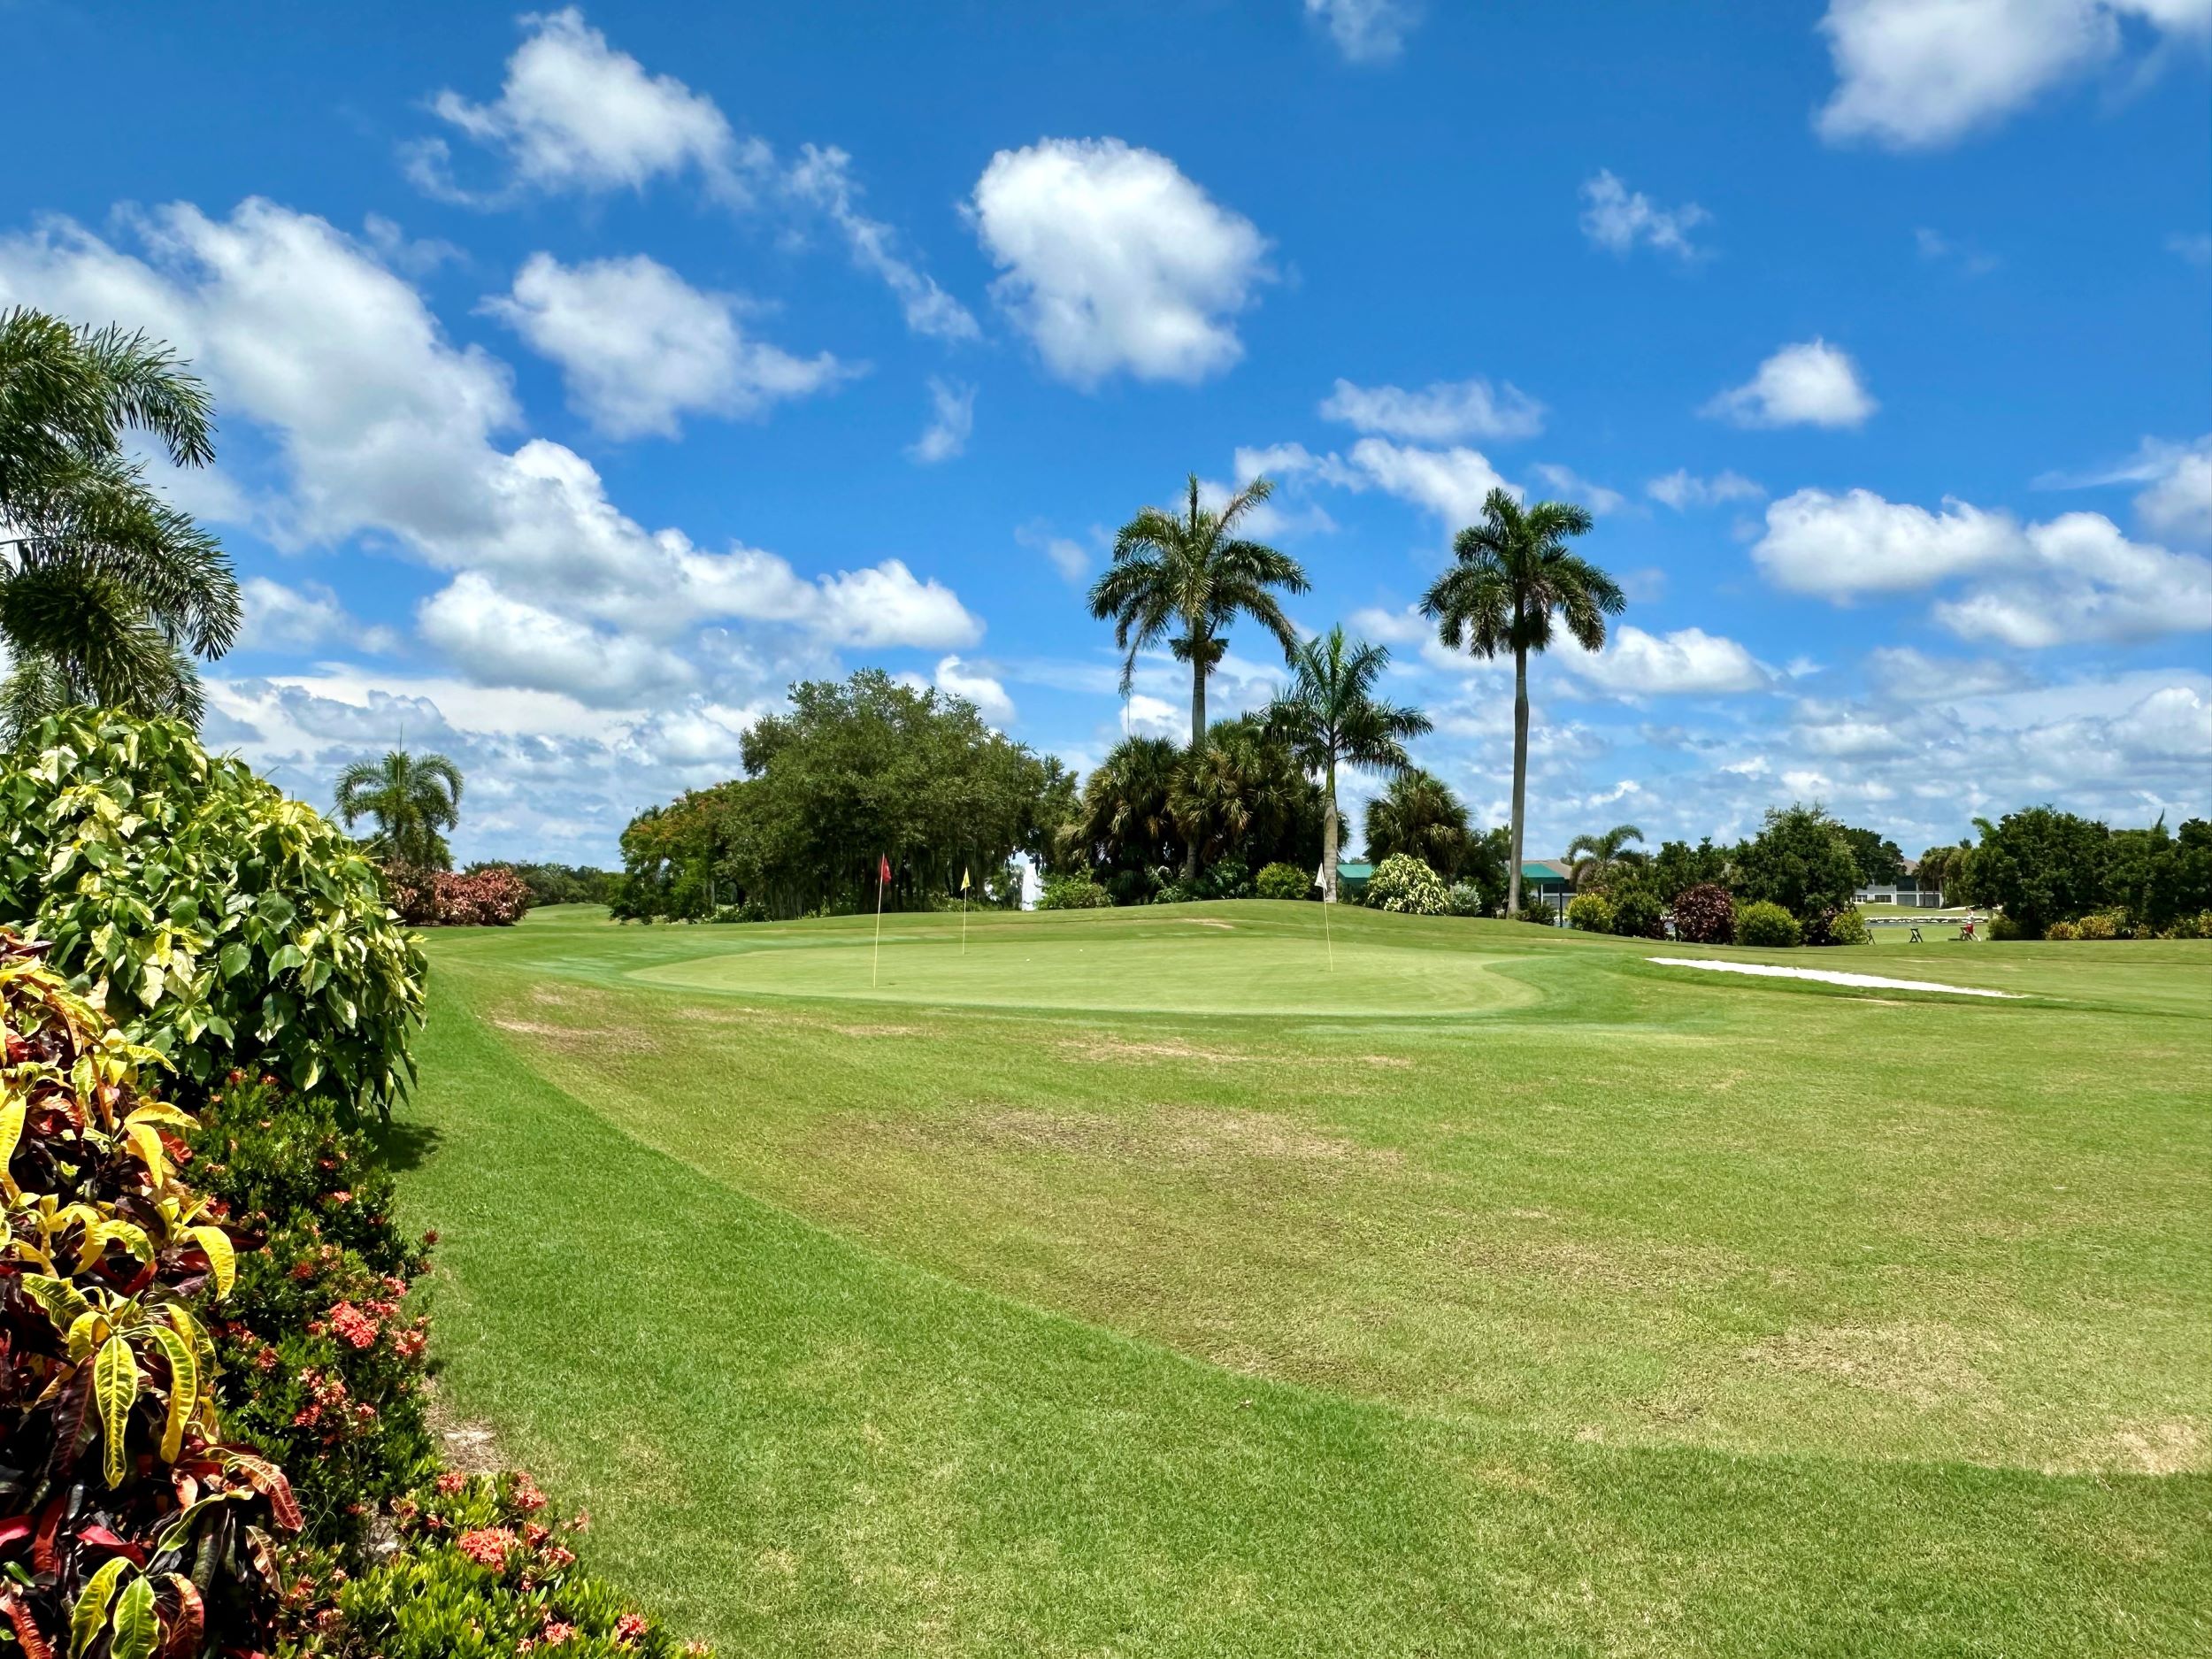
{"x": 883, "y": 870}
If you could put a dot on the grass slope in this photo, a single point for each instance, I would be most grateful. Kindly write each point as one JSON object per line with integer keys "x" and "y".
{"x": 1594, "y": 1311}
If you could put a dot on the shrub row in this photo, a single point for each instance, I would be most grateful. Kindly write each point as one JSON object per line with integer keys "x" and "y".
{"x": 2115, "y": 923}
{"x": 489, "y": 896}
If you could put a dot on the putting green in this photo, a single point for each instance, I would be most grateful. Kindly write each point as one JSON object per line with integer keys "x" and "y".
{"x": 1168, "y": 963}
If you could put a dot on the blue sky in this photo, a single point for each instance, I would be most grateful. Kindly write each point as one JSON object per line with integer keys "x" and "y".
{"x": 588, "y": 375}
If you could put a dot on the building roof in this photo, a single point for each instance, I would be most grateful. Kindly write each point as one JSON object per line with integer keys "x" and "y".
{"x": 1353, "y": 872}
{"x": 1546, "y": 869}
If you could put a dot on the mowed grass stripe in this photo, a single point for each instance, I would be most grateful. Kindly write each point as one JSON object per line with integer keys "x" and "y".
{"x": 799, "y": 1446}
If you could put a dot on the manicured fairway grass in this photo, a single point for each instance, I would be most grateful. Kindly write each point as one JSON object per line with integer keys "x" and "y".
{"x": 1134, "y": 1284}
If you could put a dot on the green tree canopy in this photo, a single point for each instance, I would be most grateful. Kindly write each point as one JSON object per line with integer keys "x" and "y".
{"x": 1418, "y": 814}
{"x": 2041, "y": 865}
{"x": 1802, "y": 860}
{"x": 1678, "y": 866}
{"x": 1597, "y": 858}
{"x": 858, "y": 770}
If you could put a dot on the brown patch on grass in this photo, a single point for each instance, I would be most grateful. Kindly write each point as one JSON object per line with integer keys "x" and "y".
{"x": 1170, "y": 1136}
{"x": 1106, "y": 1050}
{"x": 876, "y": 1031}
{"x": 1924, "y": 1362}
{"x": 470, "y": 1448}
{"x": 2157, "y": 1448}
{"x": 1395, "y": 1062}
{"x": 1206, "y": 921}
{"x": 539, "y": 1028}
{"x": 1623, "y": 1267}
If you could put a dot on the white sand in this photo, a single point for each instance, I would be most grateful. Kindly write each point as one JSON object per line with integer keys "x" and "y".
{"x": 1872, "y": 981}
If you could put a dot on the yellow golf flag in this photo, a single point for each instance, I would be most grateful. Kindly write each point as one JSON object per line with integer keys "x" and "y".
{"x": 964, "y": 878}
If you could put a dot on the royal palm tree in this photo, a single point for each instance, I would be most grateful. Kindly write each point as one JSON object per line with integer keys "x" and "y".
{"x": 1511, "y": 572}
{"x": 1331, "y": 716}
{"x": 1188, "y": 570}
{"x": 1417, "y": 813}
{"x": 1596, "y": 856}
{"x": 107, "y": 593}
{"x": 412, "y": 800}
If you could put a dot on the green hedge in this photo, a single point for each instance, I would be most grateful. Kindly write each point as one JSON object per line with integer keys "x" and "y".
{"x": 226, "y": 926}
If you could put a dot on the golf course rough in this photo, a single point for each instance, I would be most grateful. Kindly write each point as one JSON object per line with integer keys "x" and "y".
{"x": 1139, "y": 1282}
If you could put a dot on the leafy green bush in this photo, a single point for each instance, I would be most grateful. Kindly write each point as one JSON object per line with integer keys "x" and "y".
{"x": 1590, "y": 913}
{"x": 2197, "y": 925}
{"x": 1537, "y": 915}
{"x": 1279, "y": 880}
{"x": 1073, "y": 893}
{"x": 1705, "y": 915}
{"x": 2105, "y": 924}
{"x": 1848, "y": 927}
{"x": 2062, "y": 930}
{"x": 1637, "y": 912}
{"x": 1768, "y": 925}
{"x": 227, "y": 927}
{"x": 1464, "y": 898}
{"x": 1229, "y": 878}
{"x": 1404, "y": 885}
{"x": 480, "y": 1575}
{"x": 314, "y": 1329}
{"x": 116, "y": 1482}
{"x": 2004, "y": 928}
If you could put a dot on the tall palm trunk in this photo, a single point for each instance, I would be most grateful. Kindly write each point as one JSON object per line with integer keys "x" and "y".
{"x": 1520, "y": 775}
{"x": 1197, "y": 741}
{"x": 1328, "y": 839}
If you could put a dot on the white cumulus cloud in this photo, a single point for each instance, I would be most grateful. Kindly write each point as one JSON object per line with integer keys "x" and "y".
{"x": 382, "y": 426}
{"x": 282, "y": 618}
{"x": 1442, "y": 411}
{"x": 1913, "y": 74}
{"x": 513, "y": 642}
{"x": 1450, "y": 483}
{"x": 2074, "y": 577}
{"x": 1810, "y": 384}
{"x": 1114, "y": 262}
{"x": 1689, "y": 661}
{"x": 575, "y": 114}
{"x": 1618, "y": 220}
{"x": 971, "y": 684}
{"x": 639, "y": 348}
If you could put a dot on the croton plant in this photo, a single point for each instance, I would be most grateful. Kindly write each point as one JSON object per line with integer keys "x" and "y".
{"x": 128, "y": 1528}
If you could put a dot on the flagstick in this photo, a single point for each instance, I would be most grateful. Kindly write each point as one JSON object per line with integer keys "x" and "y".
{"x": 876, "y": 964}
{"x": 964, "y": 921}
{"x": 1325, "y": 937}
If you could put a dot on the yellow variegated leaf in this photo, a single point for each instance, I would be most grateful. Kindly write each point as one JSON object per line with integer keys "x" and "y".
{"x": 64, "y": 1302}
{"x": 115, "y": 1391}
{"x": 220, "y": 1256}
{"x": 137, "y": 1626}
{"x": 184, "y": 1388}
{"x": 147, "y": 1144}
{"x": 10, "y": 1128}
{"x": 89, "y": 1617}
{"x": 155, "y": 1112}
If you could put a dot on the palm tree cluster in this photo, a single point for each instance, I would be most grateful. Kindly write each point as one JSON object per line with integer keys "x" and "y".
{"x": 107, "y": 593}
{"x": 1184, "y": 576}
{"x": 412, "y": 800}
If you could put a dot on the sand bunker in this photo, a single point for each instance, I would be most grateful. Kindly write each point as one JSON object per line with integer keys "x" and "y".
{"x": 1869, "y": 981}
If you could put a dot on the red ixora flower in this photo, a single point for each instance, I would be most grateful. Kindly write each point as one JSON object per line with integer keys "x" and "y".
{"x": 356, "y": 1328}
{"x": 487, "y": 1545}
